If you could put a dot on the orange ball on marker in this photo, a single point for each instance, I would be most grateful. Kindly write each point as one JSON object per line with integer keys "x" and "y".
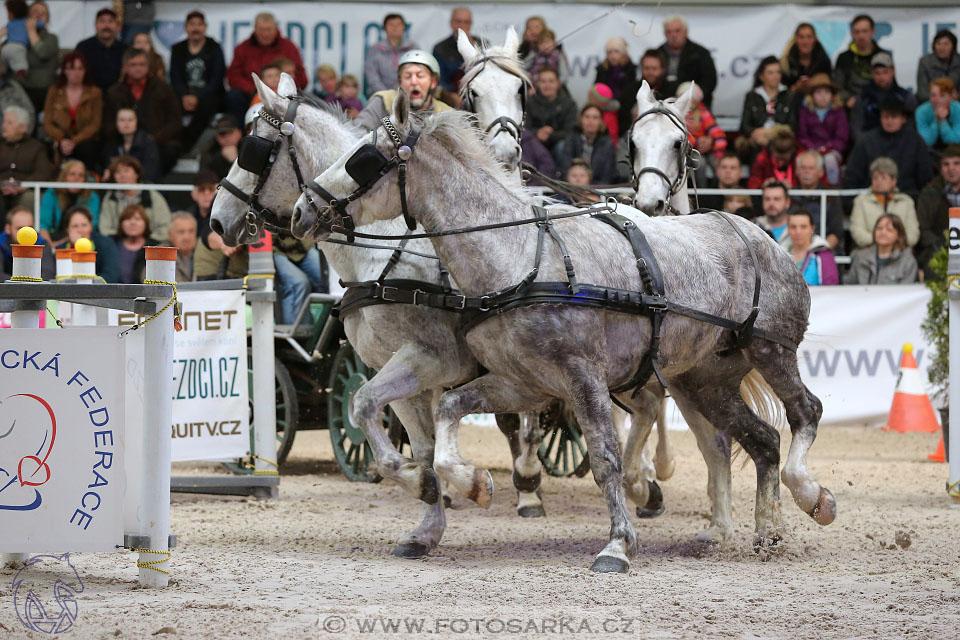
{"x": 83, "y": 245}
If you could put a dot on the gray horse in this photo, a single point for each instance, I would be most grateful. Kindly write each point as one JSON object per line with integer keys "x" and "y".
{"x": 577, "y": 353}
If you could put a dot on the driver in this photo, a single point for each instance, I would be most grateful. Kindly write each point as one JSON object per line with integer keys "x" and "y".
{"x": 417, "y": 72}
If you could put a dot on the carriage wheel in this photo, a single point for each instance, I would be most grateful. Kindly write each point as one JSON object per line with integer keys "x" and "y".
{"x": 562, "y": 452}
{"x": 347, "y": 374}
{"x": 288, "y": 415}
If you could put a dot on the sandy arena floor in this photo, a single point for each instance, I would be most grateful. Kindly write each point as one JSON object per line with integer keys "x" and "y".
{"x": 315, "y": 563}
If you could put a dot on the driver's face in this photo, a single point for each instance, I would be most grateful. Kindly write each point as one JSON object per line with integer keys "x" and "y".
{"x": 418, "y": 81}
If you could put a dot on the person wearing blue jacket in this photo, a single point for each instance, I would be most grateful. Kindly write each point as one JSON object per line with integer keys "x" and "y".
{"x": 938, "y": 120}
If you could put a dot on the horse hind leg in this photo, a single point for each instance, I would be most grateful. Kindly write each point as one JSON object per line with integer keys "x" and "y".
{"x": 524, "y": 434}
{"x": 779, "y": 369}
{"x": 663, "y": 460}
{"x": 639, "y": 475}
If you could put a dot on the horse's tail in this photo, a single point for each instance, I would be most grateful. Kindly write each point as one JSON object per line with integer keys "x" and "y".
{"x": 761, "y": 399}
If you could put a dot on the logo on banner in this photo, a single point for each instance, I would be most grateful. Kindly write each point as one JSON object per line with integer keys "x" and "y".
{"x": 45, "y": 594}
{"x": 27, "y": 444}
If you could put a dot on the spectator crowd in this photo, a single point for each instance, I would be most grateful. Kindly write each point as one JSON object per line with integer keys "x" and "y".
{"x": 114, "y": 110}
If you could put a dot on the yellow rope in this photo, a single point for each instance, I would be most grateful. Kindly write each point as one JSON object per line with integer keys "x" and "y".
{"x": 87, "y": 277}
{"x": 256, "y": 275}
{"x": 953, "y": 490}
{"x": 152, "y": 564}
{"x": 172, "y": 301}
{"x": 268, "y": 472}
{"x": 32, "y": 279}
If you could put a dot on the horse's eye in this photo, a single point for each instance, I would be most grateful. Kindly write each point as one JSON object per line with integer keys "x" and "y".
{"x": 677, "y": 144}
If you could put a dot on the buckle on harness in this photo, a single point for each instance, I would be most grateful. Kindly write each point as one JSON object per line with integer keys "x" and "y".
{"x": 656, "y": 303}
{"x": 416, "y": 292}
{"x": 462, "y": 304}
{"x": 481, "y": 306}
{"x": 383, "y": 294}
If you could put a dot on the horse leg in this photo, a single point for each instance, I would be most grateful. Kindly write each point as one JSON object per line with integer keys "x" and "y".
{"x": 663, "y": 460}
{"x": 779, "y": 369}
{"x": 638, "y": 471}
{"x": 523, "y": 433}
{"x": 715, "y": 448}
{"x": 417, "y": 418}
{"x": 409, "y": 372}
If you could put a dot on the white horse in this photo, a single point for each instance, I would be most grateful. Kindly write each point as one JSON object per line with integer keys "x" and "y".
{"x": 543, "y": 351}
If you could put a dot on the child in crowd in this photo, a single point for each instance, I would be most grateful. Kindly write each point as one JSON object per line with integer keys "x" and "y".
{"x": 601, "y": 96}
{"x": 143, "y": 41}
{"x": 704, "y": 133}
{"x": 547, "y": 54}
{"x": 822, "y": 124}
{"x": 348, "y": 95}
{"x": 14, "y": 50}
{"x": 326, "y": 83}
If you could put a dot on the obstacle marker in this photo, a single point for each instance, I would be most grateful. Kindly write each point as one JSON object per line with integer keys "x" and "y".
{"x": 911, "y": 409}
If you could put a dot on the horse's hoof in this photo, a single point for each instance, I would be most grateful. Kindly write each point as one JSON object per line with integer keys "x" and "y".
{"x": 532, "y": 511}
{"x": 430, "y": 487}
{"x": 525, "y": 485}
{"x": 766, "y": 541}
{"x": 411, "y": 550}
{"x": 825, "y": 511}
{"x": 708, "y": 536}
{"x": 654, "y": 506}
{"x": 610, "y": 564}
{"x": 482, "y": 491}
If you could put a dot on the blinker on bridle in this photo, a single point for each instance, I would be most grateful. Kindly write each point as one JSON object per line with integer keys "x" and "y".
{"x": 687, "y": 158}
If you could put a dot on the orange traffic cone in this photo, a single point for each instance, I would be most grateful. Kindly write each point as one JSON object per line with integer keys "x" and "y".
{"x": 911, "y": 409}
{"x": 939, "y": 455}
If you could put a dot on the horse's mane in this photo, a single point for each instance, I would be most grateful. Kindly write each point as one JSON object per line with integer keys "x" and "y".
{"x": 457, "y": 130}
{"x": 507, "y": 60}
{"x": 331, "y": 108}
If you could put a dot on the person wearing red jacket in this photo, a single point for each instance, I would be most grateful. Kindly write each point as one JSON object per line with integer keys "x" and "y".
{"x": 263, "y": 47}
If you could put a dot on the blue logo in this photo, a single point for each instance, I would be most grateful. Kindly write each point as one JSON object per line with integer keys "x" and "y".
{"x": 45, "y": 594}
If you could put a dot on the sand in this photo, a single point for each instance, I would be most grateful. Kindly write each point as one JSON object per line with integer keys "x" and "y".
{"x": 315, "y": 562}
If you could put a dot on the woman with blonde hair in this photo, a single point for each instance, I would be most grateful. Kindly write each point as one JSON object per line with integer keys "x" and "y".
{"x": 54, "y": 202}
{"x": 803, "y": 58}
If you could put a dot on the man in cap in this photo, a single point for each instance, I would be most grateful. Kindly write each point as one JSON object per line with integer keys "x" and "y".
{"x": 197, "y": 71}
{"x": 881, "y": 88}
{"x": 418, "y": 73}
{"x": 221, "y": 154}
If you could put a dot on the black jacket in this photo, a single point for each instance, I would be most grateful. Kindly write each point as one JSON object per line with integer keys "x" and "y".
{"x": 602, "y": 159}
{"x": 144, "y": 149}
{"x": 905, "y": 147}
{"x": 853, "y": 71}
{"x": 158, "y": 110}
{"x": 933, "y": 210}
{"x": 212, "y": 73}
{"x": 755, "y": 111}
{"x": 819, "y": 63}
{"x": 559, "y": 113}
{"x": 104, "y": 62}
{"x": 696, "y": 64}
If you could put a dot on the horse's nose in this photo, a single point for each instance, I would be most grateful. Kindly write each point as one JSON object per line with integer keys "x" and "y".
{"x": 660, "y": 207}
{"x": 216, "y": 227}
{"x": 297, "y": 217}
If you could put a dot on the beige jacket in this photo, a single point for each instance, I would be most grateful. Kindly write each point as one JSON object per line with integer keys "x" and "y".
{"x": 867, "y": 210}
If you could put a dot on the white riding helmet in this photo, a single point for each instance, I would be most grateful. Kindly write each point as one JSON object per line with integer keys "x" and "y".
{"x": 419, "y": 56}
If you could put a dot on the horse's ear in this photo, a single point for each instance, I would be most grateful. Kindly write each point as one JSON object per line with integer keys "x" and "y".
{"x": 287, "y": 87}
{"x": 401, "y": 111}
{"x": 644, "y": 94}
{"x": 683, "y": 102}
{"x": 512, "y": 43}
{"x": 267, "y": 95}
{"x": 465, "y": 47}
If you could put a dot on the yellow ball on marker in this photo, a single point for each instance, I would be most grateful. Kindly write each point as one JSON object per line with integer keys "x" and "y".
{"x": 83, "y": 245}
{"x": 27, "y": 236}
{"x": 907, "y": 347}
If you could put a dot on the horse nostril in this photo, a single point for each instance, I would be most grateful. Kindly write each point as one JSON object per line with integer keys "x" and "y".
{"x": 296, "y": 215}
{"x": 216, "y": 227}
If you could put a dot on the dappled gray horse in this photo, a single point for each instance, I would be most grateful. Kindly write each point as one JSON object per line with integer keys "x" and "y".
{"x": 537, "y": 352}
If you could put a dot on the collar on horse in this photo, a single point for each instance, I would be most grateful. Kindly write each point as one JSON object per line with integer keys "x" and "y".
{"x": 688, "y": 158}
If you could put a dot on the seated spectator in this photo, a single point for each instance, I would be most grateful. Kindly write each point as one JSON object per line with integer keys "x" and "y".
{"x": 853, "y": 70}
{"x": 547, "y": 55}
{"x": 704, "y": 133}
{"x": 43, "y": 56}
{"x": 531, "y": 35}
{"x": 882, "y": 198}
{"x": 224, "y": 149}
{"x": 768, "y": 105}
{"x": 348, "y": 95}
{"x": 447, "y": 54}
{"x": 776, "y": 161}
{"x": 810, "y": 252}
{"x": 129, "y": 139}
{"x": 157, "y": 106}
{"x": 270, "y": 75}
{"x": 536, "y": 155}
{"x": 131, "y": 238}
{"x": 589, "y": 143}
{"x": 213, "y": 260}
{"x": 299, "y": 273}
{"x": 580, "y": 175}
{"x": 943, "y": 61}
{"x": 601, "y": 97}
{"x": 16, "y": 219}
{"x": 53, "y": 225}
{"x": 653, "y": 69}
{"x": 551, "y": 114}
{"x": 326, "y": 88}
{"x": 617, "y": 70}
{"x": 417, "y": 74}
{"x": 933, "y": 205}
{"x": 803, "y": 59}
{"x": 938, "y": 120}
{"x": 882, "y": 88}
{"x": 13, "y": 95}
{"x": 892, "y": 140}
{"x": 264, "y": 46}
{"x": 205, "y": 185}
{"x": 80, "y": 225}
{"x": 183, "y": 236}
{"x": 887, "y": 260}
{"x": 810, "y": 177}
{"x": 73, "y": 111}
{"x": 104, "y": 51}
{"x": 687, "y": 60}
{"x": 197, "y": 70}
{"x": 381, "y": 60}
{"x": 13, "y": 51}
{"x": 156, "y": 66}
{"x": 126, "y": 170}
{"x": 22, "y": 159}
{"x": 822, "y": 125}
{"x": 729, "y": 175}
{"x": 776, "y": 203}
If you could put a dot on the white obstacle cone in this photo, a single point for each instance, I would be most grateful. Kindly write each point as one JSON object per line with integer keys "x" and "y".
{"x": 84, "y": 264}
{"x": 65, "y": 270}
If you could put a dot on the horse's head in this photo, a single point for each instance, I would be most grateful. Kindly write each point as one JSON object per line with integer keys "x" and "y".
{"x": 338, "y": 197}
{"x": 494, "y": 87}
{"x": 262, "y": 184}
{"x": 660, "y": 151}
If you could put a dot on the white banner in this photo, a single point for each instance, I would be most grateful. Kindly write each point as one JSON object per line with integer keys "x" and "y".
{"x": 61, "y": 440}
{"x": 211, "y": 415}
{"x": 739, "y": 37}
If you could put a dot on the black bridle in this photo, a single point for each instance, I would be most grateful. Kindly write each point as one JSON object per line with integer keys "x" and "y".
{"x": 506, "y": 124}
{"x": 688, "y": 158}
{"x": 367, "y": 166}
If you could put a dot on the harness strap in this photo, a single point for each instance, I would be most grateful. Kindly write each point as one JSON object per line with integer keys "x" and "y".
{"x": 567, "y": 261}
{"x": 394, "y": 259}
{"x": 444, "y": 276}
